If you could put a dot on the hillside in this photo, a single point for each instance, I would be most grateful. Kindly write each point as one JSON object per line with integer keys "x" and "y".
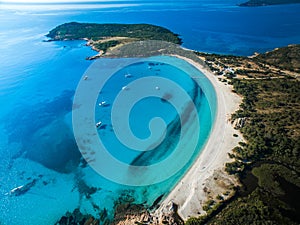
{"x": 284, "y": 58}
{"x": 267, "y": 163}
{"x": 105, "y": 36}
{"x": 268, "y": 2}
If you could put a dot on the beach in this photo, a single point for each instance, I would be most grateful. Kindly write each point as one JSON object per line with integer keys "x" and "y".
{"x": 207, "y": 179}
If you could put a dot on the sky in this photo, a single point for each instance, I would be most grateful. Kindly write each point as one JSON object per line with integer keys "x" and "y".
{"x": 52, "y": 1}
{"x": 55, "y": 4}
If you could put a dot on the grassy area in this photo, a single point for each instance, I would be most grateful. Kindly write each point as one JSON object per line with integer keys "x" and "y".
{"x": 283, "y": 58}
{"x": 103, "y": 46}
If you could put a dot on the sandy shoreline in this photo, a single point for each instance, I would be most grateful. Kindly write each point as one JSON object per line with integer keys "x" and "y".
{"x": 191, "y": 192}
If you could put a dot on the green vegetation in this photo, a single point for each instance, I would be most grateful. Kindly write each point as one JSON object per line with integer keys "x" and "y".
{"x": 284, "y": 58}
{"x": 270, "y": 112}
{"x": 268, "y": 2}
{"x": 268, "y": 173}
{"x": 103, "y": 37}
{"x": 252, "y": 209}
{"x": 95, "y": 31}
{"x": 105, "y": 45}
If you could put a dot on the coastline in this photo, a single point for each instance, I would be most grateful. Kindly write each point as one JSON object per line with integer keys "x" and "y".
{"x": 255, "y": 3}
{"x": 191, "y": 192}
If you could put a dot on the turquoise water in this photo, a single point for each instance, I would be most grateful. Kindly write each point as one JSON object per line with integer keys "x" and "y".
{"x": 145, "y": 109}
{"x": 38, "y": 81}
{"x": 43, "y": 151}
{"x": 130, "y": 129}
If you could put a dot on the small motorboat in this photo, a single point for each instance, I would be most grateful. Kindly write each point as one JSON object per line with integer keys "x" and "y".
{"x": 125, "y": 88}
{"x": 103, "y": 103}
{"x": 16, "y": 191}
{"x": 98, "y": 125}
{"x": 128, "y": 75}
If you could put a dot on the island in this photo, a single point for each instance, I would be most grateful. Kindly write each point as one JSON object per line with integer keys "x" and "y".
{"x": 253, "y": 3}
{"x": 102, "y": 37}
{"x": 254, "y": 175}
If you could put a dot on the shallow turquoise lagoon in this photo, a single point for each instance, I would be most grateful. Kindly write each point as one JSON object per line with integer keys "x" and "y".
{"x": 43, "y": 154}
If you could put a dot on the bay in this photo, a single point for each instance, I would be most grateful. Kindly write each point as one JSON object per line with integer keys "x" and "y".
{"x": 38, "y": 80}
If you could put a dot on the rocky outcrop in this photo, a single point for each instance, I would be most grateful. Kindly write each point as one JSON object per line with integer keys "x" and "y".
{"x": 77, "y": 218}
{"x": 128, "y": 214}
{"x": 167, "y": 215}
{"x": 239, "y": 123}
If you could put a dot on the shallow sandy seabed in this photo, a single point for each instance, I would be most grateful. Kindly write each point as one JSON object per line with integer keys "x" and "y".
{"x": 207, "y": 178}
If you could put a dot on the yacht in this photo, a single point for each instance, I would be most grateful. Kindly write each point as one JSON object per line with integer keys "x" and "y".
{"x": 17, "y": 190}
{"x": 98, "y": 124}
{"x": 103, "y": 103}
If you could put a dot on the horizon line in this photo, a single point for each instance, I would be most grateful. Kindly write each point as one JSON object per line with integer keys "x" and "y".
{"x": 48, "y": 2}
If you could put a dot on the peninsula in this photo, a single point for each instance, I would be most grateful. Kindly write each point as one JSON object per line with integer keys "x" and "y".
{"x": 249, "y": 168}
{"x": 102, "y": 37}
{"x": 253, "y": 3}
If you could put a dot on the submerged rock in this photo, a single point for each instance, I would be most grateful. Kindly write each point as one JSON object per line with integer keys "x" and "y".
{"x": 44, "y": 135}
{"x": 77, "y": 218}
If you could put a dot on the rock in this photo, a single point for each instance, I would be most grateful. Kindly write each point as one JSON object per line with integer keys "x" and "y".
{"x": 77, "y": 218}
{"x": 239, "y": 123}
{"x": 91, "y": 221}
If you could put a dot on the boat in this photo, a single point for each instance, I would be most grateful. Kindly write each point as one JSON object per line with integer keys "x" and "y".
{"x": 103, "y": 103}
{"x": 20, "y": 190}
{"x": 157, "y": 88}
{"x": 16, "y": 191}
{"x": 85, "y": 77}
{"x": 128, "y": 75}
{"x": 125, "y": 88}
{"x": 98, "y": 124}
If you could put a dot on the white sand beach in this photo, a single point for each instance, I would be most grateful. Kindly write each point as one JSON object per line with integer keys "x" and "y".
{"x": 207, "y": 178}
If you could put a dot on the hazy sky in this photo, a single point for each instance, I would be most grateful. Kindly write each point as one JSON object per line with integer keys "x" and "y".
{"x": 50, "y": 1}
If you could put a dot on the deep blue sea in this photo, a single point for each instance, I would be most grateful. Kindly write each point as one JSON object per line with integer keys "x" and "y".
{"x": 38, "y": 82}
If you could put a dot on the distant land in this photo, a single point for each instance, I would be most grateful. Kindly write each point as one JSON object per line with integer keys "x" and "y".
{"x": 268, "y": 2}
{"x": 106, "y": 36}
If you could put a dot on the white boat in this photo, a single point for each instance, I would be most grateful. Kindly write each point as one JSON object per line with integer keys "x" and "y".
{"x": 128, "y": 75}
{"x": 98, "y": 124}
{"x": 157, "y": 88}
{"x": 16, "y": 190}
{"x": 103, "y": 103}
{"x": 85, "y": 77}
{"x": 125, "y": 88}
